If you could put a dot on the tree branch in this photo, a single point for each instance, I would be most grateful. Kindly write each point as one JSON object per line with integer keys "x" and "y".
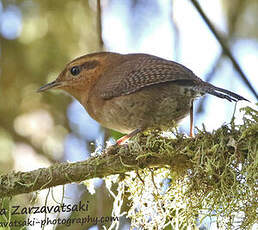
{"x": 99, "y": 24}
{"x": 149, "y": 149}
{"x": 224, "y": 46}
{"x": 115, "y": 160}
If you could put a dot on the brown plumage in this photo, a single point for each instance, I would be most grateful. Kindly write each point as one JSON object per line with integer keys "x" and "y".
{"x": 132, "y": 92}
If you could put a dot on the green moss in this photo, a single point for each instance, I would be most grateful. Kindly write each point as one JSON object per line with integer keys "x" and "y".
{"x": 213, "y": 176}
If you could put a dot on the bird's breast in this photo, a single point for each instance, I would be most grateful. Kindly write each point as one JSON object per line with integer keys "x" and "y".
{"x": 153, "y": 106}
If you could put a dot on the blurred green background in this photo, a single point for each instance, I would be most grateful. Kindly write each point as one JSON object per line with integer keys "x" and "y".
{"x": 39, "y": 37}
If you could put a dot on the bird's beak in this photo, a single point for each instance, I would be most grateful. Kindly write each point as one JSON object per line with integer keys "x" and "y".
{"x": 53, "y": 84}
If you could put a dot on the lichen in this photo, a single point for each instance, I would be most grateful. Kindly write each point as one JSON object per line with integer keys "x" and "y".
{"x": 214, "y": 179}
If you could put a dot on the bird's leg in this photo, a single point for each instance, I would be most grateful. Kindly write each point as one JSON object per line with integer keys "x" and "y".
{"x": 191, "y": 119}
{"x": 126, "y": 137}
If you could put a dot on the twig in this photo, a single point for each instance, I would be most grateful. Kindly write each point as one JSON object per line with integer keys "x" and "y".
{"x": 99, "y": 24}
{"x": 224, "y": 46}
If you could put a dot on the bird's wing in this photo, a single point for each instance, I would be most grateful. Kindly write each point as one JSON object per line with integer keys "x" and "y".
{"x": 141, "y": 70}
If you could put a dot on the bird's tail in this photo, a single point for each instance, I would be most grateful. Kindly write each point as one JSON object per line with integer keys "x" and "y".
{"x": 222, "y": 93}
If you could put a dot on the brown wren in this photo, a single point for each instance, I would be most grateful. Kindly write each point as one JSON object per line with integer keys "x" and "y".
{"x": 132, "y": 92}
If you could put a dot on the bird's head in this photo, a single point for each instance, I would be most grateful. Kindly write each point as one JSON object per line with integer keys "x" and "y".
{"x": 81, "y": 74}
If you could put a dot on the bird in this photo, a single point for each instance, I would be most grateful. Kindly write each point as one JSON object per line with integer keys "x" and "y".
{"x": 130, "y": 93}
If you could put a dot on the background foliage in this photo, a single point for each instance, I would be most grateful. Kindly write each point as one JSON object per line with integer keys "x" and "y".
{"x": 37, "y": 38}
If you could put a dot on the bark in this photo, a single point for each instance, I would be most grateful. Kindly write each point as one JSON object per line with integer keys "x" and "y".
{"x": 147, "y": 149}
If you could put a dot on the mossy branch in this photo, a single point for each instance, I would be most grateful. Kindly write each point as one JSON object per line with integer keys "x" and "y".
{"x": 146, "y": 150}
{"x": 115, "y": 160}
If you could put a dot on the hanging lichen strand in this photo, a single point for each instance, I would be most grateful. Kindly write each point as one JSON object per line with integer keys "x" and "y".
{"x": 213, "y": 180}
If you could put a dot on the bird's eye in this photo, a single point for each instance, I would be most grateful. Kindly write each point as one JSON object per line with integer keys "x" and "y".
{"x": 75, "y": 70}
